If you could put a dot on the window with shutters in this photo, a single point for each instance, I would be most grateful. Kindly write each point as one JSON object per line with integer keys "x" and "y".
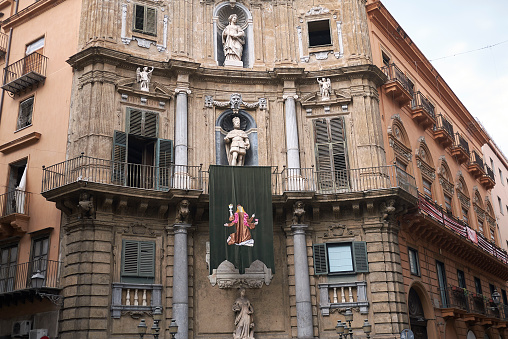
{"x": 8, "y": 261}
{"x": 341, "y": 258}
{"x": 138, "y": 261}
{"x": 414, "y": 263}
{"x": 145, "y": 20}
{"x": 140, "y": 158}
{"x": 25, "y": 113}
{"x": 331, "y": 158}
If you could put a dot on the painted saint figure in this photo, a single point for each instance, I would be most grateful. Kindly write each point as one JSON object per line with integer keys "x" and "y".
{"x": 237, "y": 144}
{"x": 143, "y": 77}
{"x": 244, "y": 224}
{"x": 243, "y": 321}
{"x": 233, "y": 39}
{"x": 325, "y": 87}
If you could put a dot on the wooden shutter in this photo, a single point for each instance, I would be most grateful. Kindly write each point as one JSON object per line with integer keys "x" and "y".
{"x": 147, "y": 259}
{"x": 150, "y": 124}
{"x": 323, "y": 156}
{"x": 320, "y": 259}
{"x": 130, "y": 260}
{"x": 135, "y": 122}
{"x": 142, "y": 123}
{"x": 25, "y": 113}
{"x": 138, "y": 261}
{"x": 360, "y": 257}
{"x": 151, "y": 21}
{"x": 338, "y": 149}
{"x": 119, "y": 157}
{"x": 163, "y": 160}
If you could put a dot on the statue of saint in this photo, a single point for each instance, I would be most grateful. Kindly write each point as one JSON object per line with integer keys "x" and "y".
{"x": 243, "y": 321}
{"x": 244, "y": 224}
{"x": 233, "y": 39}
{"x": 143, "y": 77}
{"x": 325, "y": 87}
{"x": 237, "y": 144}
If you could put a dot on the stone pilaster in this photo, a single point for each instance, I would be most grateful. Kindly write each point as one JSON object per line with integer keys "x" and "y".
{"x": 302, "y": 283}
{"x": 357, "y": 32}
{"x": 181, "y": 280}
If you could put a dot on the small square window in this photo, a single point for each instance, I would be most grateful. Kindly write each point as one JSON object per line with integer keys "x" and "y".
{"x": 25, "y": 113}
{"x": 414, "y": 264}
{"x": 145, "y": 20}
{"x": 319, "y": 33}
{"x": 340, "y": 258}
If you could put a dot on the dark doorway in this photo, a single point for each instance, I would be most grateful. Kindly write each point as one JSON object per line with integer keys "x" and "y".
{"x": 140, "y": 159}
{"x": 417, "y": 319}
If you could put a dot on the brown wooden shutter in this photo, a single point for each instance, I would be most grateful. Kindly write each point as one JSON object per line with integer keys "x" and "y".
{"x": 151, "y": 21}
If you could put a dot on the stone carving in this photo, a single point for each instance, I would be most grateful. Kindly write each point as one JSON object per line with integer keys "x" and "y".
{"x": 339, "y": 231}
{"x": 235, "y": 102}
{"x": 298, "y": 213}
{"x": 243, "y": 321}
{"x": 182, "y": 212}
{"x": 208, "y": 101}
{"x": 318, "y": 10}
{"x": 263, "y": 103}
{"x": 325, "y": 87}
{"x": 143, "y": 77}
{"x": 227, "y": 276}
{"x": 237, "y": 143}
{"x": 233, "y": 39}
{"x": 86, "y": 208}
{"x": 322, "y": 55}
{"x": 388, "y": 209}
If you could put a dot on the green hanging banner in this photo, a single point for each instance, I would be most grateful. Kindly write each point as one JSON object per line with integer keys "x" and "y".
{"x": 241, "y": 228}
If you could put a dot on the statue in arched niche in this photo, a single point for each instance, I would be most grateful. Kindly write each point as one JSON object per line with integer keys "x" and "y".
{"x": 233, "y": 39}
{"x": 237, "y": 143}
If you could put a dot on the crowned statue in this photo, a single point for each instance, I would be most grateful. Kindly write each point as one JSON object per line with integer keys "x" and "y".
{"x": 237, "y": 144}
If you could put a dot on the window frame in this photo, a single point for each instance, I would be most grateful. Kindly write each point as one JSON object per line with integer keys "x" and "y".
{"x": 416, "y": 262}
{"x": 478, "y": 285}
{"x": 461, "y": 278}
{"x": 425, "y": 188}
{"x": 30, "y": 116}
{"x": 329, "y": 31}
{"x": 144, "y": 29}
{"x": 146, "y": 277}
{"x": 500, "y": 202}
{"x": 359, "y": 258}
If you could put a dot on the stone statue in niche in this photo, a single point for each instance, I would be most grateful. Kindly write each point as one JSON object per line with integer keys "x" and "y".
{"x": 237, "y": 143}
{"x": 325, "y": 87}
{"x": 233, "y": 39}
{"x": 243, "y": 320}
{"x": 143, "y": 77}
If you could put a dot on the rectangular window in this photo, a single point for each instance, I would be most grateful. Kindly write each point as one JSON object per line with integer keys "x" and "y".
{"x": 503, "y": 295}
{"x": 465, "y": 213}
{"x": 145, "y": 20}
{"x": 319, "y": 33}
{"x": 501, "y": 176}
{"x": 492, "y": 164}
{"x": 138, "y": 261}
{"x": 492, "y": 234}
{"x": 480, "y": 225}
{"x": 25, "y": 113}
{"x": 492, "y": 288}
{"x": 36, "y": 46}
{"x": 448, "y": 203}
{"x": 8, "y": 261}
{"x": 427, "y": 188}
{"x": 386, "y": 60}
{"x": 500, "y": 205}
{"x": 340, "y": 258}
{"x": 461, "y": 278}
{"x": 39, "y": 255}
{"x": 478, "y": 285}
{"x": 414, "y": 263}
{"x": 15, "y": 200}
{"x": 441, "y": 277}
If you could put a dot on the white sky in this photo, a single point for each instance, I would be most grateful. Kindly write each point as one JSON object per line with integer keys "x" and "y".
{"x": 442, "y": 28}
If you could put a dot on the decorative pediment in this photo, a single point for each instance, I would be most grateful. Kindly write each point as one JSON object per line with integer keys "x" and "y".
{"x": 338, "y": 97}
{"x": 129, "y": 88}
{"x": 227, "y": 276}
{"x": 424, "y": 160}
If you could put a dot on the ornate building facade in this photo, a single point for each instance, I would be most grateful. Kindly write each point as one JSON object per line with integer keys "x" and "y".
{"x": 162, "y": 90}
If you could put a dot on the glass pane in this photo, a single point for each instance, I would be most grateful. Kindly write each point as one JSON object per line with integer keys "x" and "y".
{"x": 340, "y": 258}
{"x": 140, "y": 18}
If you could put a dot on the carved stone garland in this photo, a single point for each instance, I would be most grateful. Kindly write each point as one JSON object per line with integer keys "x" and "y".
{"x": 235, "y": 102}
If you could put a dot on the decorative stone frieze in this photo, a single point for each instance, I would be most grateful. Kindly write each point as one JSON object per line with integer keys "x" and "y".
{"x": 235, "y": 103}
{"x": 227, "y": 276}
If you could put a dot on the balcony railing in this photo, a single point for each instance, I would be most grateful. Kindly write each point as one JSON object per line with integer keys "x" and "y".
{"x": 343, "y": 295}
{"x": 458, "y": 226}
{"x": 476, "y": 159}
{"x": 489, "y": 172}
{"x": 135, "y": 298}
{"x": 461, "y": 142}
{"x": 395, "y": 74}
{"x": 443, "y": 124}
{"x": 420, "y": 101}
{"x": 14, "y": 202}
{"x": 14, "y": 277}
{"x": 25, "y": 73}
{"x": 102, "y": 171}
{"x": 4, "y": 38}
{"x": 470, "y": 302}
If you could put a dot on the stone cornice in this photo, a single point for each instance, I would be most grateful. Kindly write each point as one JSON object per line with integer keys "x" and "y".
{"x": 29, "y": 12}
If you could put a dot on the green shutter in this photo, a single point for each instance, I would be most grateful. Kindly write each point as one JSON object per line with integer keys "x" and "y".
{"x": 150, "y": 124}
{"x": 134, "y": 122}
{"x": 142, "y": 123}
{"x": 130, "y": 260}
{"x": 163, "y": 160}
{"x": 119, "y": 157}
{"x": 151, "y": 21}
{"x": 360, "y": 257}
{"x": 324, "y": 165}
{"x": 147, "y": 259}
{"x": 138, "y": 261}
{"x": 320, "y": 259}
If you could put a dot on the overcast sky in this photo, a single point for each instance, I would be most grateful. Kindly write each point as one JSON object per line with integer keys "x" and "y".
{"x": 443, "y": 28}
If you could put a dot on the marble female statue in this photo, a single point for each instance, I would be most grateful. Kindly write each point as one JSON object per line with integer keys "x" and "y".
{"x": 143, "y": 77}
{"x": 243, "y": 321}
{"x": 233, "y": 39}
{"x": 237, "y": 144}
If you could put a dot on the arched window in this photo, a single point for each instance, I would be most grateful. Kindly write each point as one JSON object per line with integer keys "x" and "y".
{"x": 478, "y": 208}
{"x": 426, "y": 165}
{"x": 445, "y": 180}
{"x": 491, "y": 219}
{"x": 463, "y": 197}
{"x": 221, "y": 16}
{"x": 399, "y": 142}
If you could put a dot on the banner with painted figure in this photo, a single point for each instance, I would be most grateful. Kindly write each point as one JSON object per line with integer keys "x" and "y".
{"x": 241, "y": 227}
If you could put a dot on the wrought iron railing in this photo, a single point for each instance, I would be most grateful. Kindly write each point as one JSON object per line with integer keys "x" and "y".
{"x": 443, "y": 124}
{"x": 461, "y": 142}
{"x": 15, "y": 277}
{"x": 489, "y": 172}
{"x": 470, "y": 302}
{"x": 34, "y": 62}
{"x": 4, "y": 38}
{"x": 102, "y": 171}
{"x": 395, "y": 74}
{"x": 476, "y": 159}
{"x": 458, "y": 298}
{"x": 15, "y": 201}
{"x": 420, "y": 101}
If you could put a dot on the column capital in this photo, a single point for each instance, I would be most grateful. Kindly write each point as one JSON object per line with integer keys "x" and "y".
{"x": 181, "y": 90}
{"x": 180, "y": 228}
{"x": 287, "y": 96}
{"x": 299, "y": 228}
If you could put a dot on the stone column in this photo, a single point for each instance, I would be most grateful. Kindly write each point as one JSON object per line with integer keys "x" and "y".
{"x": 293, "y": 149}
{"x": 181, "y": 127}
{"x": 181, "y": 281}
{"x": 302, "y": 283}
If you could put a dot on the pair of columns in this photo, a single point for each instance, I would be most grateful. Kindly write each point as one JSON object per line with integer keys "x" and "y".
{"x": 180, "y": 266}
